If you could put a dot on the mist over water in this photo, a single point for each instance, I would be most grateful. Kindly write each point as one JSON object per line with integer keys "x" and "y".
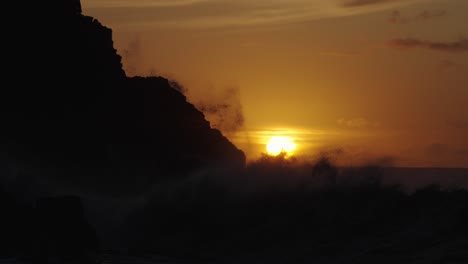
{"x": 275, "y": 207}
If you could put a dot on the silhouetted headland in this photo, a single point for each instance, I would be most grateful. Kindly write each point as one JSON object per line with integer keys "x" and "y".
{"x": 74, "y": 111}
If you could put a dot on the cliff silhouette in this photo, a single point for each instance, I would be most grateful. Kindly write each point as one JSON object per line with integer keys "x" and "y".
{"x": 69, "y": 106}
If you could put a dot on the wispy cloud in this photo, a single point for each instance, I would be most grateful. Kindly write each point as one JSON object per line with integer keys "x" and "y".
{"x": 357, "y": 3}
{"x": 427, "y": 15}
{"x": 411, "y": 43}
{"x": 396, "y": 17}
{"x": 140, "y": 3}
{"x": 221, "y": 13}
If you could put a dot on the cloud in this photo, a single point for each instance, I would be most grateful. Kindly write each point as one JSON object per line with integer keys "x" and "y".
{"x": 410, "y": 43}
{"x": 144, "y": 14}
{"x": 141, "y": 3}
{"x": 357, "y": 3}
{"x": 396, "y": 16}
{"x": 427, "y": 15}
{"x": 357, "y": 123}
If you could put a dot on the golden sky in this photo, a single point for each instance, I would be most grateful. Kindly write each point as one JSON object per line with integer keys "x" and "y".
{"x": 368, "y": 79}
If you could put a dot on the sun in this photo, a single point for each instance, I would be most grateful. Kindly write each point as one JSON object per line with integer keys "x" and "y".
{"x": 277, "y": 145}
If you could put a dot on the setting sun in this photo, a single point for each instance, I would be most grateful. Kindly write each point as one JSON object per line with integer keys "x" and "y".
{"x": 277, "y": 145}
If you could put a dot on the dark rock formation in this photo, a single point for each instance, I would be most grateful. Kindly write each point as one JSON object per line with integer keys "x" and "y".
{"x": 55, "y": 230}
{"x": 10, "y": 222}
{"x": 62, "y": 231}
{"x": 69, "y": 106}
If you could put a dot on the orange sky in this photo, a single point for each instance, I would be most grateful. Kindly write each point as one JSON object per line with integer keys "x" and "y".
{"x": 368, "y": 79}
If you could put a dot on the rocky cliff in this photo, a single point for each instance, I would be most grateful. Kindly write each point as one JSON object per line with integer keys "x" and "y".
{"x": 69, "y": 106}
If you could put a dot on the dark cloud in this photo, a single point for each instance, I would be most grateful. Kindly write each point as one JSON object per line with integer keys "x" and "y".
{"x": 396, "y": 17}
{"x": 409, "y": 43}
{"x": 357, "y": 3}
{"x": 427, "y": 15}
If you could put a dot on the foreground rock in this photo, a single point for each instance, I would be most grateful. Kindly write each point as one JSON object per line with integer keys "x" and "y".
{"x": 70, "y": 112}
